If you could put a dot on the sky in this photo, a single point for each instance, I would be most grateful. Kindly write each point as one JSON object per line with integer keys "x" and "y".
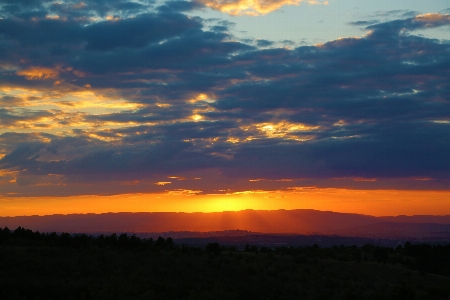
{"x": 216, "y": 105}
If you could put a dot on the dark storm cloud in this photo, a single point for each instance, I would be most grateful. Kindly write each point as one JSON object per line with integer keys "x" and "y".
{"x": 24, "y": 156}
{"x": 192, "y": 50}
{"x": 6, "y": 101}
{"x": 374, "y": 81}
{"x": 179, "y": 6}
{"x": 74, "y": 8}
{"x": 140, "y": 116}
{"x": 124, "y": 159}
{"x": 65, "y": 37}
{"x": 264, "y": 43}
{"x": 364, "y": 23}
{"x": 10, "y": 118}
{"x": 218, "y": 28}
{"x": 130, "y": 162}
{"x": 137, "y": 32}
{"x": 418, "y": 22}
{"x": 10, "y": 140}
{"x": 396, "y": 13}
{"x": 387, "y": 150}
{"x": 349, "y": 75}
{"x": 372, "y": 107}
{"x": 38, "y": 33}
{"x": 186, "y": 130}
{"x": 19, "y": 6}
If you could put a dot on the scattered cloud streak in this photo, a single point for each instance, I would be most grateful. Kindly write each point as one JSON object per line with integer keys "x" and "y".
{"x": 252, "y": 7}
{"x": 105, "y": 97}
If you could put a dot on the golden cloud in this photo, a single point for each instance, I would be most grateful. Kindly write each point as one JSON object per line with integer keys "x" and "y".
{"x": 432, "y": 19}
{"x": 52, "y": 17}
{"x": 163, "y": 182}
{"x": 79, "y": 5}
{"x": 183, "y": 192}
{"x": 38, "y": 73}
{"x": 362, "y": 179}
{"x": 284, "y": 130}
{"x": 252, "y": 7}
{"x": 112, "y": 18}
{"x": 177, "y": 177}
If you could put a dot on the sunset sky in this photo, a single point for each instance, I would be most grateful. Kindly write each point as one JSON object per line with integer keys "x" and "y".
{"x": 213, "y": 105}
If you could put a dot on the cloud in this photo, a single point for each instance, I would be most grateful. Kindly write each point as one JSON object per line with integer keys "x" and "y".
{"x": 91, "y": 105}
{"x": 264, "y": 43}
{"x": 25, "y": 154}
{"x": 138, "y": 31}
{"x": 376, "y": 154}
{"x": 6, "y": 101}
{"x": 74, "y": 8}
{"x": 433, "y": 20}
{"x": 35, "y": 73}
{"x": 179, "y": 6}
{"x": 11, "y": 119}
{"x": 252, "y": 7}
{"x": 364, "y": 23}
{"x": 418, "y": 22}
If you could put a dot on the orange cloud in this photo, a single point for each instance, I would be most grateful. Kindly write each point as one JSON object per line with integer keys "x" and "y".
{"x": 163, "y": 182}
{"x": 79, "y": 5}
{"x": 364, "y": 179}
{"x": 281, "y": 130}
{"x": 38, "y": 73}
{"x": 252, "y": 7}
{"x": 433, "y": 20}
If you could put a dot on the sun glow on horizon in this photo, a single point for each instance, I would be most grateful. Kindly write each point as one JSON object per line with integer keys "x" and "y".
{"x": 220, "y": 203}
{"x": 368, "y": 202}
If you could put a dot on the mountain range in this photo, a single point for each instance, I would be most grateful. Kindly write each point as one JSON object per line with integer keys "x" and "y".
{"x": 301, "y": 221}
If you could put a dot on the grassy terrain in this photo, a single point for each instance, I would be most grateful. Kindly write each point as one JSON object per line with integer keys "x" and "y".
{"x": 34, "y": 266}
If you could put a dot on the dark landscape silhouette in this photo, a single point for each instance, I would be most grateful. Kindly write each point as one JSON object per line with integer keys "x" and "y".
{"x": 37, "y": 265}
{"x": 246, "y": 222}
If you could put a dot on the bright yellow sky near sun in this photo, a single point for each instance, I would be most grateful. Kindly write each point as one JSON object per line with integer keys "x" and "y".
{"x": 370, "y": 202}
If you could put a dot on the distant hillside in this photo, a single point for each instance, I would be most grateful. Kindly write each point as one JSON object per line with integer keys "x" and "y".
{"x": 276, "y": 221}
{"x": 396, "y": 230}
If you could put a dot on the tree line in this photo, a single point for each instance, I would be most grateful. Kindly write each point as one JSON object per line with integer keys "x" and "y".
{"x": 39, "y": 266}
{"x": 425, "y": 258}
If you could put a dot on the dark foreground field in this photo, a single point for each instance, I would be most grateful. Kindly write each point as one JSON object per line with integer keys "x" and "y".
{"x": 51, "y": 266}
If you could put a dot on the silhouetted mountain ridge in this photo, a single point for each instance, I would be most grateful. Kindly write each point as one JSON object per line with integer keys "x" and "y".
{"x": 397, "y": 230}
{"x": 300, "y": 221}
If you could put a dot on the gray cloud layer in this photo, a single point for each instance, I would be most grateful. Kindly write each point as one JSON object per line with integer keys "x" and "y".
{"x": 373, "y": 107}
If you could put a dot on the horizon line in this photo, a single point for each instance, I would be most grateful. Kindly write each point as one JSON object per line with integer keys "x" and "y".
{"x": 225, "y": 211}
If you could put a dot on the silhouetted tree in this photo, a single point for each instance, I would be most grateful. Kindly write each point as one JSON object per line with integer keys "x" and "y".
{"x": 264, "y": 249}
{"x": 65, "y": 239}
{"x": 213, "y": 248}
{"x": 169, "y": 243}
{"x": 134, "y": 242}
{"x": 4, "y": 234}
{"x": 122, "y": 241}
{"x": 380, "y": 254}
{"x": 160, "y": 242}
